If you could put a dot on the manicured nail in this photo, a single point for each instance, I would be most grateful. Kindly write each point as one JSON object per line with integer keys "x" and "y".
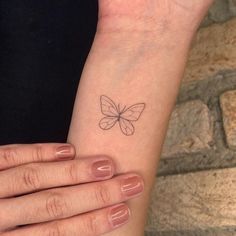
{"x": 132, "y": 186}
{"x": 102, "y": 169}
{"x": 65, "y": 152}
{"x": 119, "y": 215}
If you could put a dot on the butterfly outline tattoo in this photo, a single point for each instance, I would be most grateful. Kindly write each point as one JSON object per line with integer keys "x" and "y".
{"x": 124, "y": 117}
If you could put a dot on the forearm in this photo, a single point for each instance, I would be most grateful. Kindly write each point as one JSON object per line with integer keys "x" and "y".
{"x": 130, "y": 68}
{"x": 128, "y": 79}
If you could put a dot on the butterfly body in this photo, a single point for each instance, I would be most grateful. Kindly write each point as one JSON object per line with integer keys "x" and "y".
{"x": 124, "y": 117}
{"x": 118, "y": 118}
{"x": 119, "y": 112}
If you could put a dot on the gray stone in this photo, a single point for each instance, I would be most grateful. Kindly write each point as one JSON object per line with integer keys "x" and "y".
{"x": 232, "y": 7}
{"x": 219, "y": 155}
{"x": 190, "y": 130}
{"x": 219, "y": 12}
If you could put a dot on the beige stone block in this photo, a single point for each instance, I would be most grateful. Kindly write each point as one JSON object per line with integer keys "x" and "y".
{"x": 214, "y": 50}
{"x": 190, "y": 130}
{"x": 228, "y": 106}
{"x": 195, "y": 201}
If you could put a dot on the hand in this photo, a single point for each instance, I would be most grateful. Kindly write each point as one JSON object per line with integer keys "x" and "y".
{"x": 43, "y": 193}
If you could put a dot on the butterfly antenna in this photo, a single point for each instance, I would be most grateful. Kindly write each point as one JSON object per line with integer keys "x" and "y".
{"x": 119, "y": 108}
{"x": 123, "y": 109}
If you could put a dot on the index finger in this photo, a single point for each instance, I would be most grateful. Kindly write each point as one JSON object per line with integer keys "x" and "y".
{"x": 12, "y": 155}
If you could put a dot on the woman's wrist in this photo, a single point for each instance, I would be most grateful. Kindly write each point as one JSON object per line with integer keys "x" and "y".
{"x": 151, "y": 15}
{"x": 150, "y": 21}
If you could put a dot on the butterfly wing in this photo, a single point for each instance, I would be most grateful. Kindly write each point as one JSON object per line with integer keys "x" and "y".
{"x": 108, "y": 107}
{"x": 134, "y": 112}
{"x": 108, "y": 122}
{"x": 126, "y": 127}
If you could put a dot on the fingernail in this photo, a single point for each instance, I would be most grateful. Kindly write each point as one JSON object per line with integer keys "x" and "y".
{"x": 119, "y": 215}
{"x": 132, "y": 186}
{"x": 102, "y": 169}
{"x": 65, "y": 152}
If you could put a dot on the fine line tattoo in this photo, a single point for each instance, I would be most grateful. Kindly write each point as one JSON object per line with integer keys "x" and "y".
{"x": 124, "y": 117}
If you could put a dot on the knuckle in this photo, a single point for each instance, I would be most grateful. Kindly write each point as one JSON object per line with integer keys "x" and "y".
{"x": 38, "y": 153}
{"x": 9, "y": 155}
{"x": 2, "y": 217}
{"x": 55, "y": 229}
{"x": 102, "y": 194}
{"x": 30, "y": 178}
{"x": 56, "y": 206}
{"x": 91, "y": 226}
{"x": 72, "y": 172}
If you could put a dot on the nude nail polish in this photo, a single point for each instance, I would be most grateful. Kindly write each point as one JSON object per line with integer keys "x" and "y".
{"x": 65, "y": 152}
{"x": 102, "y": 169}
{"x": 119, "y": 215}
{"x": 132, "y": 186}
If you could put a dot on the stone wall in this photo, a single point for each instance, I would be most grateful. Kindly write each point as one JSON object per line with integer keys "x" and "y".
{"x": 194, "y": 191}
{"x": 197, "y": 133}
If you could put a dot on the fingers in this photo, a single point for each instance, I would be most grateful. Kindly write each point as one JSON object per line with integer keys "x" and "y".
{"x": 18, "y": 154}
{"x": 90, "y": 224}
{"x": 38, "y": 176}
{"x": 70, "y": 201}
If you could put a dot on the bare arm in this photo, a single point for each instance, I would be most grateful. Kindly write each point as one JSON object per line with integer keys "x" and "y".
{"x": 129, "y": 86}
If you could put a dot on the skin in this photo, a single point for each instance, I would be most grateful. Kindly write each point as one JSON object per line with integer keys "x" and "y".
{"x": 138, "y": 55}
{"x": 45, "y": 203}
{"x": 42, "y": 191}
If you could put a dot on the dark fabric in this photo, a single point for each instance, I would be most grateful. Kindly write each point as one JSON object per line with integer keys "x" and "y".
{"x": 43, "y": 47}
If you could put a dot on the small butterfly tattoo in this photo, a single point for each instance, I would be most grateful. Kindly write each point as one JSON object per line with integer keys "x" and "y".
{"x": 124, "y": 117}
